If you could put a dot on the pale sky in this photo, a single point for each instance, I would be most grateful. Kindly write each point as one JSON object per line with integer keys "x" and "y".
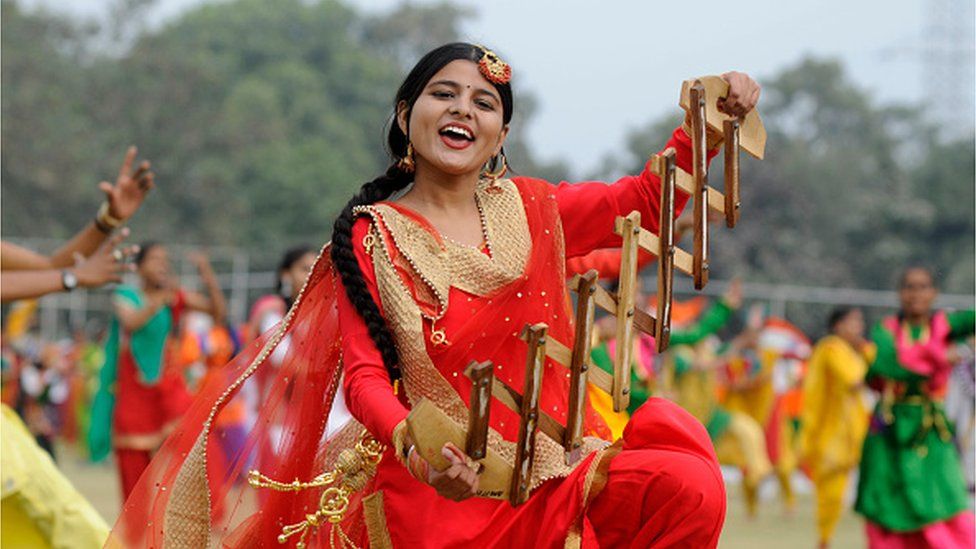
{"x": 601, "y": 68}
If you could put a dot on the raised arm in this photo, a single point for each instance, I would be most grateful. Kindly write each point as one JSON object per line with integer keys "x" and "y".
{"x": 369, "y": 393}
{"x": 588, "y": 209}
{"x": 122, "y": 200}
{"x": 213, "y": 303}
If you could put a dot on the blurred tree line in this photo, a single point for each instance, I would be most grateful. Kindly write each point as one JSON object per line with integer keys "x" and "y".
{"x": 261, "y": 118}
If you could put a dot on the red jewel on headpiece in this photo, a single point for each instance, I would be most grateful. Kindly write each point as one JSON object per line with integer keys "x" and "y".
{"x": 494, "y": 69}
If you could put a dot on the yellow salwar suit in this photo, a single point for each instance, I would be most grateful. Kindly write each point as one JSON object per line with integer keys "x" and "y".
{"x": 756, "y": 401}
{"x": 834, "y": 423}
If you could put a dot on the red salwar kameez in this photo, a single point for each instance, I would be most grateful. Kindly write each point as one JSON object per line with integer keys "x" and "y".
{"x": 659, "y": 486}
{"x": 662, "y": 489}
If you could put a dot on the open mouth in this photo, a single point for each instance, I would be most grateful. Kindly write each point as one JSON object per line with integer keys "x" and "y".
{"x": 456, "y": 136}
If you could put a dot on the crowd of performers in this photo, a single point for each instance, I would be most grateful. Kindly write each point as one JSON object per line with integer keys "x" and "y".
{"x": 230, "y": 434}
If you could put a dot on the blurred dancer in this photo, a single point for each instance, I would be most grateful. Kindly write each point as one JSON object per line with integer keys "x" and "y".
{"x": 690, "y": 325}
{"x": 912, "y": 491}
{"x": 269, "y": 309}
{"x": 40, "y": 507}
{"x": 140, "y": 396}
{"x": 835, "y": 418}
{"x": 738, "y": 437}
{"x": 765, "y": 384}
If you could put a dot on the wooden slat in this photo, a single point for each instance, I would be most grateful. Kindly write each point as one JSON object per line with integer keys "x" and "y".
{"x": 732, "y": 205}
{"x": 686, "y": 182}
{"x": 511, "y": 398}
{"x": 629, "y": 229}
{"x": 579, "y": 364}
{"x": 682, "y": 260}
{"x": 558, "y": 352}
{"x": 481, "y": 375}
{"x": 535, "y": 362}
{"x": 643, "y": 321}
{"x": 601, "y": 379}
{"x": 700, "y": 174}
{"x": 666, "y": 248}
{"x": 648, "y": 241}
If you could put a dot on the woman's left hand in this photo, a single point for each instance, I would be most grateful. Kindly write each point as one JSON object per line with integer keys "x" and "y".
{"x": 743, "y": 94}
{"x": 130, "y": 188}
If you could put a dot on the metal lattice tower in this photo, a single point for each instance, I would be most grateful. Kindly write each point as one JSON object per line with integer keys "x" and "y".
{"x": 947, "y": 65}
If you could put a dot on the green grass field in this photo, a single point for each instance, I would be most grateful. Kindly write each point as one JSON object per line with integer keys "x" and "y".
{"x": 773, "y": 527}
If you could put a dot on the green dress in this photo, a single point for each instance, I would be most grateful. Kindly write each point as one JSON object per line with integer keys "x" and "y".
{"x": 910, "y": 475}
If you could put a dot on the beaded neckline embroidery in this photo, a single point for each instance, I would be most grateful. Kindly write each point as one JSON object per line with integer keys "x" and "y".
{"x": 439, "y": 263}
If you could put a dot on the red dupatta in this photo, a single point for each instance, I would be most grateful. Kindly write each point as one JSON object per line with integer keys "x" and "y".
{"x": 184, "y": 499}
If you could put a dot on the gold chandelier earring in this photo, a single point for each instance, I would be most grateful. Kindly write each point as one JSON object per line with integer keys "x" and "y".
{"x": 500, "y": 162}
{"x": 406, "y": 164}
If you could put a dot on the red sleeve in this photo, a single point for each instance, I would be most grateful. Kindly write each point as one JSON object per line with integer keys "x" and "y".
{"x": 606, "y": 261}
{"x": 369, "y": 393}
{"x": 588, "y": 209}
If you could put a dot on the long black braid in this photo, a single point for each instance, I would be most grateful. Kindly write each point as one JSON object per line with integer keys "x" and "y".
{"x": 351, "y": 274}
{"x": 393, "y": 180}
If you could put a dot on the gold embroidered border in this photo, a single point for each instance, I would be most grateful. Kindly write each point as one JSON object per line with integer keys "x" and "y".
{"x": 374, "y": 514}
{"x": 440, "y": 265}
{"x": 593, "y": 483}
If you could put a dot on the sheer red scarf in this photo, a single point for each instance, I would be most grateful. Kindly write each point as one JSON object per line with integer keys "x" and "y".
{"x": 170, "y": 506}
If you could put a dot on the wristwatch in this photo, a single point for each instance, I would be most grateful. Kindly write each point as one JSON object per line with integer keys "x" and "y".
{"x": 69, "y": 280}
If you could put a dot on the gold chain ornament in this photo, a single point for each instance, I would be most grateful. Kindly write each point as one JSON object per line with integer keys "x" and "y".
{"x": 352, "y": 470}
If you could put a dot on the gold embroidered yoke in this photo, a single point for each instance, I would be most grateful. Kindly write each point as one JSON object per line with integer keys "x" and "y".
{"x": 416, "y": 270}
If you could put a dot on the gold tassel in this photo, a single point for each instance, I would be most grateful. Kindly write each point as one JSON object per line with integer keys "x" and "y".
{"x": 353, "y": 469}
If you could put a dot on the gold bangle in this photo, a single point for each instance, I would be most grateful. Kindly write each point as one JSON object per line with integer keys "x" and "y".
{"x": 105, "y": 219}
{"x": 399, "y": 440}
{"x": 101, "y": 226}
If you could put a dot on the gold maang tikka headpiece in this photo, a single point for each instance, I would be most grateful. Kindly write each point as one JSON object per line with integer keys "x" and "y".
{"x": 493, "y": 68}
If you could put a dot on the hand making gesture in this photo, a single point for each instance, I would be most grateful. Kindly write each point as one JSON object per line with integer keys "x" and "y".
{"x": 130, "y": 188}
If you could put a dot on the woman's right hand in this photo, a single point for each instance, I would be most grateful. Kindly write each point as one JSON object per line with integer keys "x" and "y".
{"x": 459, "y": 481}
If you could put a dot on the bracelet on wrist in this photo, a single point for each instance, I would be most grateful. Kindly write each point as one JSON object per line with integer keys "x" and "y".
{"x": 104, "y": 219}
{"x": 101, "y": 226}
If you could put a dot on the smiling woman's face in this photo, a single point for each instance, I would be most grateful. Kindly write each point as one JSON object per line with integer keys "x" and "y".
{"x": 456, "y": 124}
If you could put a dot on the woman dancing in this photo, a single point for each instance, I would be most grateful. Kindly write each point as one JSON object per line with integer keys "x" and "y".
{"x": 834, "y": 415}
{"x": 435, "y": 263}
{"x": 911, "y": 488}
{"x": 141, "y": 395}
